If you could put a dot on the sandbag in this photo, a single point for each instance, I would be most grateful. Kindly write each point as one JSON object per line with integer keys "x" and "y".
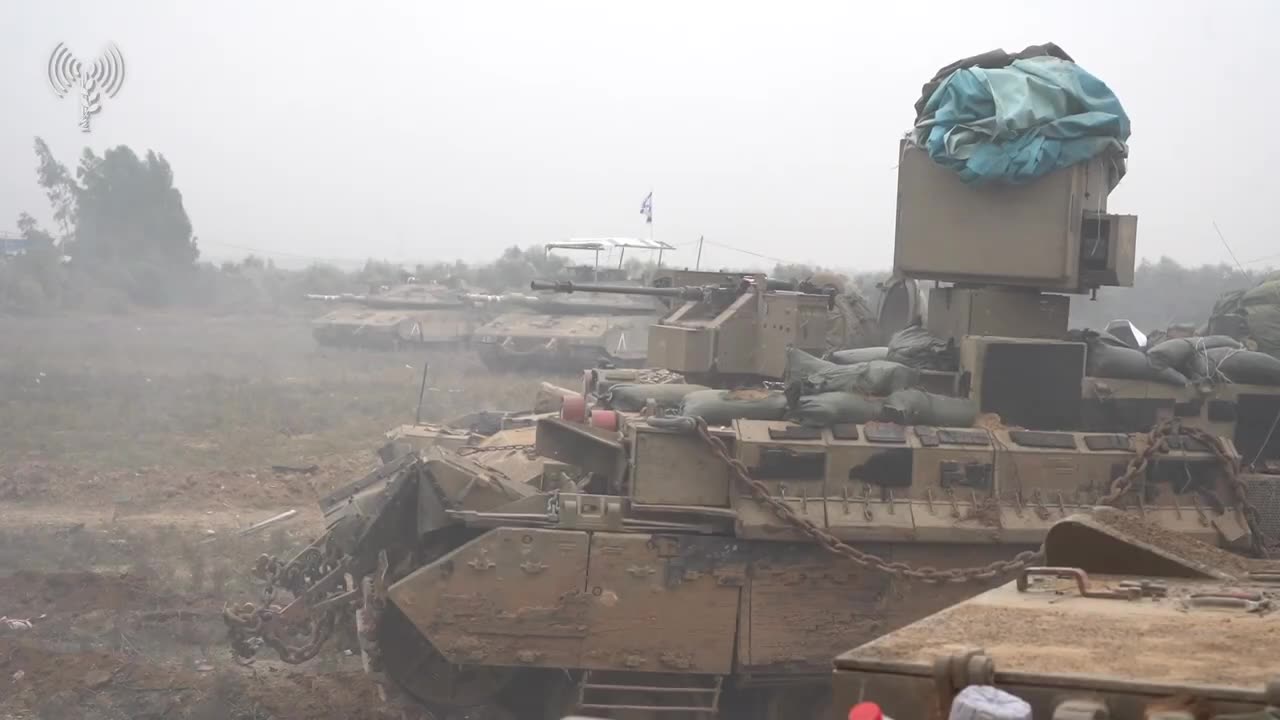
{"x": 629, "y": 397}
{"x": 1177, "y": 353}
{"x": 721, "y": 407}
{"x": 915, "y": 347}
{"x": 1122, "y": 363}
{"x": 801, "y": 364}
{"x": 1263, "y": 322}
{"x": 1237, "y": 366}
{"x": 1267, "y": 293}
{"x": 857, "y": 355}
{"x": 878, "y": 377}
{"x": 917, "y": 407}
{"x": 833, "y": 408}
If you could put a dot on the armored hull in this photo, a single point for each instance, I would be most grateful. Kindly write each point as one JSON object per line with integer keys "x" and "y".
{"x": 539, "y": 332}
{"x": 392, "y": 329}
{"x": 532, "y": 341}
{"x": 402, "y": 316}
{"x": 673, "y": 570}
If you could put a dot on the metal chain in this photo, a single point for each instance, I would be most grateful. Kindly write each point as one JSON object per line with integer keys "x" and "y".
{"x": 250, "y": 626}
{"x": 1157, "y": 441}
{"x": 760, "y": 493}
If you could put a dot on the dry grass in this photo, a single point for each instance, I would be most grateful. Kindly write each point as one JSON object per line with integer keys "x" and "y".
{"x": 184, "y": 391}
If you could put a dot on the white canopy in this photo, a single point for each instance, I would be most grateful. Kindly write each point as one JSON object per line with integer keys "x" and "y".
{"x": 609, "y": 243}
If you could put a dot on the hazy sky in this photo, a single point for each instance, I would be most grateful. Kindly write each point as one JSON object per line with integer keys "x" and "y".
{"x": 432, "y": 130}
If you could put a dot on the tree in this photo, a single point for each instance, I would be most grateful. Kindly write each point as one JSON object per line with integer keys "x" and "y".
{"x": 118, "y": 209}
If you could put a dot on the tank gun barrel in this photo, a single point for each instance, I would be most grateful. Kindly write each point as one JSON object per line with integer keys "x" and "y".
{"x": 389, "y": 302}
{"x": 568, "y": 286}
{"x": 502, "y": 299}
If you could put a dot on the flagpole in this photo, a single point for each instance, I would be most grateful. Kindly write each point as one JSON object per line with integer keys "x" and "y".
{"x": 698, "y": 264}
{"x": 650, "y": 219}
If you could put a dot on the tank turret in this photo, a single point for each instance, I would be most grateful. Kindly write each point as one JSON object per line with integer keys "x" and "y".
{"x": 738, "y": 329}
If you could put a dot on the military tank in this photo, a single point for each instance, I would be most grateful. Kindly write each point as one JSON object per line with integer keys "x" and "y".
{"x": 664, "y": 565}
{"x": 395, "y": 317}
{"x": 533, "y": 332}
{"x": 539, "y": 332}
{"x": 1121, "y": 622}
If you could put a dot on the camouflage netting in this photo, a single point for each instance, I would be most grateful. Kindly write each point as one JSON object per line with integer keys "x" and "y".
{"x": 1251, "y": 316}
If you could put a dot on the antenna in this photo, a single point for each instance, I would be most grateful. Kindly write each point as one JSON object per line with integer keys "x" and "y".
{"x": 1228, "y": 247}
{"x": 422, "y": 391}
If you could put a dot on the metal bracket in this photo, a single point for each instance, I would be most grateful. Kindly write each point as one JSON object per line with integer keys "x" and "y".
{"x": 1082, "y": 583}
{"x": 590, "y": 512}
{"x": 953, "y": 673}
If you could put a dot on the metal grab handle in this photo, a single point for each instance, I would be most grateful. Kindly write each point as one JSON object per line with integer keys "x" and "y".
{"x": 1225, "y": 595}
{"x": 1082, "y": 583}
{"x": 1246, "y": 601}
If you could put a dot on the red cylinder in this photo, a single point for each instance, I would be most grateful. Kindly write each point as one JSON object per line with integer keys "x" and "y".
{"x": 574, "y": 409}
{"x": 604, "y": 419}
{"x": 866, "y": 711}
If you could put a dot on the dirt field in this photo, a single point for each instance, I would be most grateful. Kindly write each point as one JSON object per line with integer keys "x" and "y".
{"x": 132, "y": 449}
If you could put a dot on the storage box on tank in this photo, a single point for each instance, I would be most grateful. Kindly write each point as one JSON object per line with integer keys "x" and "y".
{"x": 672, "y": 468}
{"x": 1029, "y": 383}
{"x": 682, "y": 349}
{"x": 869, "y": 481}
{"x": 791, "y": 462}
{"x": 1118, "y": 405}
{"x": 1246, "y": 414}
{"x": 1051, "y": 234}
{"x": 790, "y": 320}
{"x": 1005, "y": 312}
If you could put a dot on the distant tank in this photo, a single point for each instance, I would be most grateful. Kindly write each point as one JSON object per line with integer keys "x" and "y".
{"x": 396, "y": 317}
{"x": 539, "y": 332}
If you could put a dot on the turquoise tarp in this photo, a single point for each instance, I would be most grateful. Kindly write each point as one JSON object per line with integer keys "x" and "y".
{"x": 1020, "y": 122}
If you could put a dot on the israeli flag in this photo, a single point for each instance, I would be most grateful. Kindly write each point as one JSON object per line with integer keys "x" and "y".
{"x": 646, "y": 208}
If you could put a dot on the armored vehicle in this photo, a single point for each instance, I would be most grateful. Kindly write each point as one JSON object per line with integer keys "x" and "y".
{"x": 736, "y": 329}
{"x": 669, "y": 568}
{"x": 1122, "y": 622}
{"x": 549, "y": 333}
{"x": 395, "y": 317}
{"x": 667, "y": 565}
